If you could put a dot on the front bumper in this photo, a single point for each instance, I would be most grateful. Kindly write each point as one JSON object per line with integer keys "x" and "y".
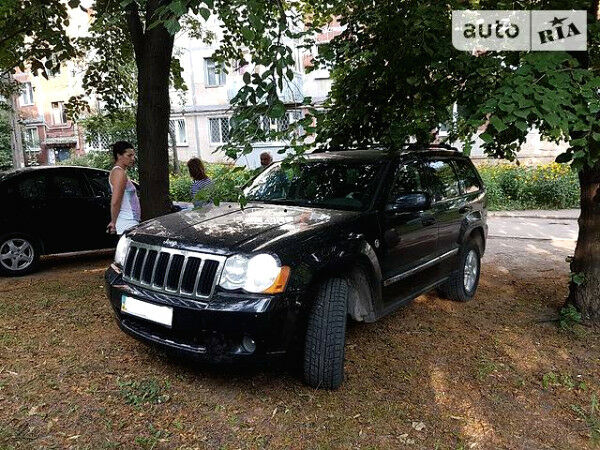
{"x": 223, "y": 327}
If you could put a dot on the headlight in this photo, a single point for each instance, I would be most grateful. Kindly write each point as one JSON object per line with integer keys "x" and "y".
{"x": 234, "y": 272}
{"x": 261, "y": 273}
{"x": 121, "y": 252}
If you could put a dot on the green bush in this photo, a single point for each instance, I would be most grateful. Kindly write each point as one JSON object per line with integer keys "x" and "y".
{"x": 547, "y": 186}
{"x": 179, "y": 188}
{"x": 227, "y": 181}
{"x": 99, "y": 160}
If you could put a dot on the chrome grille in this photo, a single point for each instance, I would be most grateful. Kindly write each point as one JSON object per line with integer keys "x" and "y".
{"x": 186, "y": 273}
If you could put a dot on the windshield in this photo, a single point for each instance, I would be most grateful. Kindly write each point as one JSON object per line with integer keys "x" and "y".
{"x": 327, "y": 184}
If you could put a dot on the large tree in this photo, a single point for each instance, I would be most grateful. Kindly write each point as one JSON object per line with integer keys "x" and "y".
{"x": 396, "y": 75}
{"x": 142, "y": 32}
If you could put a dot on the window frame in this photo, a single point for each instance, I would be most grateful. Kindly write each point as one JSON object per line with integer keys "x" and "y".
{"x": 416, "y": 164}
{"x": 26, "y": 91}
{"x": 92, "y": 174}
{"x": 62, "y": 112}
{"x": 55, "y": 193}
{"x": 428, "y": 185}
{"x": 468, "y": 165}
{"x": 35, "y": 141}
{"x": 219, "y": 76}
{"x": 175, "y": 123}
{"x": 210, "y": 134}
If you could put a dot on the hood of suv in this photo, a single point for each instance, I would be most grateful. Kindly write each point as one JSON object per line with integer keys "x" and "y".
{"x": 227, "y": 228}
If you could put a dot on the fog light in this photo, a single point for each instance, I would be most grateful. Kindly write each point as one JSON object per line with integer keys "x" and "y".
{"x": 248, "y": 344}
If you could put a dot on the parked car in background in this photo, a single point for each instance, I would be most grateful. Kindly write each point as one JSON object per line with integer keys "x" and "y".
{"x": 346, "y": 234}
{"x": 52, "y": 209}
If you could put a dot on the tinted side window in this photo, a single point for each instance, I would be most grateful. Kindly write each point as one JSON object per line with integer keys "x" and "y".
{"x": 441, "y": 179}
{"x": 68, "y": 185}
{"x": 99, "y": 183}
{"x": 467, "y": 176}
{"x": 406, "y": 180}
{"x": 33, "y": 187}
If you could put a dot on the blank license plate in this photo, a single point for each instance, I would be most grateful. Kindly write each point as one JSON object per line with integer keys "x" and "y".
{"x": 148, "y": 311}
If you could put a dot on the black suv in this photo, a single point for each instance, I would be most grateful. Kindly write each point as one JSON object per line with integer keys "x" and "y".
{"x": 354, "y": 233}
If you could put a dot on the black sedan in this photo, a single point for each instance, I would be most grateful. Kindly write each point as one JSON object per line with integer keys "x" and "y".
{"x": 48, "y": 210}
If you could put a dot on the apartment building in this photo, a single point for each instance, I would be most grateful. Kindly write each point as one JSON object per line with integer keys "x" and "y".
{"x": 48, "y": 136}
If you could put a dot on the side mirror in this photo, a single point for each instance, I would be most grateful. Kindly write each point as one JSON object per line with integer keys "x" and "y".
{"x": 415, "y": 201}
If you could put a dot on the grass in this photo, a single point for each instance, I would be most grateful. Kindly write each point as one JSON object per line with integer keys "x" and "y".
{"x": 138, "y": 393}
{"x": 590, "y": 418}
{"x": 485, "y": 367}
{"x": 461, "y": 369}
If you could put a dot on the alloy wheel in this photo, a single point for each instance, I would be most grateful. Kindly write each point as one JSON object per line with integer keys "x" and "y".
{"x": 16, "y": 254}
{"x": 471, "y": 271}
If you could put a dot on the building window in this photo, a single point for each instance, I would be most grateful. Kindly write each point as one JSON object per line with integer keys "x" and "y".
{"x": 283, "y": 123}
{"x": 219, "y": 130}
{"x": 31, "y": 139}
{"x": 215, "y": 76}
{"x": 178, "y": 127}
{"x": 26, "y": 97}
{"x": 59, "y": 114}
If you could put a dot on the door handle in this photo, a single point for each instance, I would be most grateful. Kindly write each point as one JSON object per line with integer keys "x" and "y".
{"x": 427, "y": 221}
{"x": 465, "y": 209}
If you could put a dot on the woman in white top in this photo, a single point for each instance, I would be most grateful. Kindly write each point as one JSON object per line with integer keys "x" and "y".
{"x": 124, "y": 204}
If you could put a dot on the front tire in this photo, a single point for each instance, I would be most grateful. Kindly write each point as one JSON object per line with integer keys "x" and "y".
{"x": 326, "y": 336}
{"x": 19, "y": 254}
{"x": 463, "y": 282}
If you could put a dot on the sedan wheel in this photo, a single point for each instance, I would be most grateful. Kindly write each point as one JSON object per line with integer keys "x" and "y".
{"x": 17, "y": 255}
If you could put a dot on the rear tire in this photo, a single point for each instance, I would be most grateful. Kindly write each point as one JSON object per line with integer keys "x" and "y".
{"x": 463, "y": 282}
{"x": 326, "y": 336}
{"x": 19, "y": 254}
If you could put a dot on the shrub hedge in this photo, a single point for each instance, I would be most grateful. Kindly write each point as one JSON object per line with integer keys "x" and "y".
{"x": 547, "y": 186}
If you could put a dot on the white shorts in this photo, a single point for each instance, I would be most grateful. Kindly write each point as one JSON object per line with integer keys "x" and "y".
{"x": 123, "y": 225}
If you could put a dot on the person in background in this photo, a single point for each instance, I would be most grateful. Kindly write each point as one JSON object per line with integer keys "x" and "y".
{"x": 124, "y": 203}
{"x": 265, "y": 160}
{"x": 201, "y": 180}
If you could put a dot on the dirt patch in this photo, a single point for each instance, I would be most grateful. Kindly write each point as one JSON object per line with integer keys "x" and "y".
{"x": 492, "y": 373}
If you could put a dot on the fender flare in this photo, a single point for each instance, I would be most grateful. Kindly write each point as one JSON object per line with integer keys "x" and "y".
{"x": 356, "y": 262}
{"x": 473, "y": 229}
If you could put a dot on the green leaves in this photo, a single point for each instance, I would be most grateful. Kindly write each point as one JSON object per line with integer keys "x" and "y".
{"x": 178, "y": 7}
{"x": 248, "y": 33}
{"x": 486, "y": 137}
{"x": 498, "y": 124}
{"x": 204, "y": 12}
{"x": 276, "y": 111}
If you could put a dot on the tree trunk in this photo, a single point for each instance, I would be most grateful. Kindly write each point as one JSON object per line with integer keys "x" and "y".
{"x": 586, "y": 295}
{"x": 153, "y": 52}
{"x": 584, "y": 288}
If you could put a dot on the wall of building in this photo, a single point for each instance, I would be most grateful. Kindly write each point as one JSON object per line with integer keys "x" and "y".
{"x": 56, "y": 136}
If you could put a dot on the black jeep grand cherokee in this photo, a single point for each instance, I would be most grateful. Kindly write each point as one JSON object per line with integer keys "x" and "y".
{"x": 355, "y": 233}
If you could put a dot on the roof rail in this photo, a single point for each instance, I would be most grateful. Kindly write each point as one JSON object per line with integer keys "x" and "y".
{"x": 418, "y": 145}
{"x": 324, "y": 148}
{"x": 411, "y": 146}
